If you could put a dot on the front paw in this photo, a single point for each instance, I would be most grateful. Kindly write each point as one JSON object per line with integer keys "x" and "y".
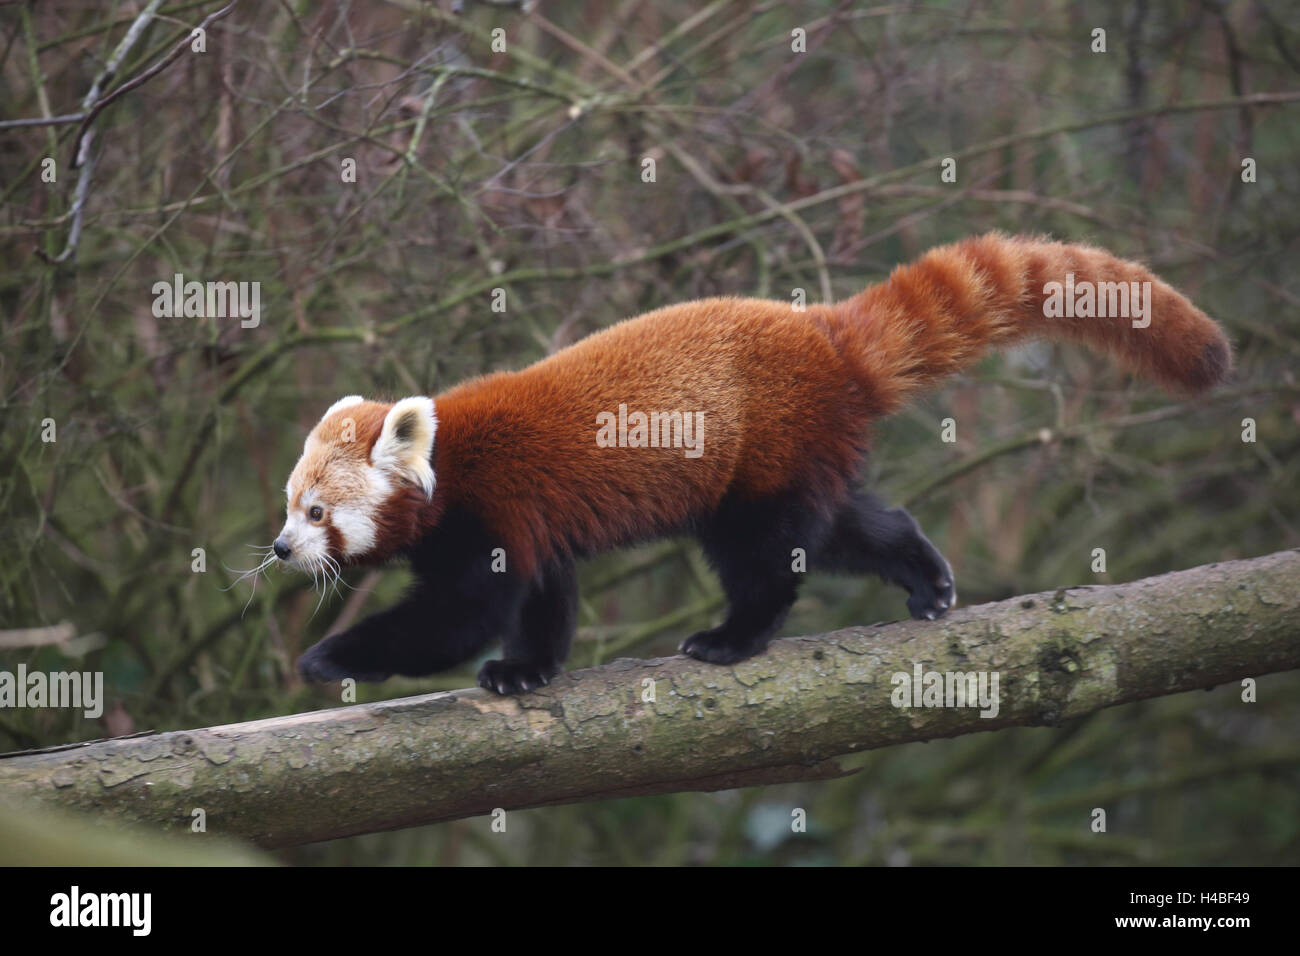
{"x": 720, "y": 646}
{"x": 515, "y": 677}
{"x": 320, "y": 665}
{"x": 934, "y": 594}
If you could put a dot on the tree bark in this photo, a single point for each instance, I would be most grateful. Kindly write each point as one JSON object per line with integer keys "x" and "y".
{"x": 785, "y": 715}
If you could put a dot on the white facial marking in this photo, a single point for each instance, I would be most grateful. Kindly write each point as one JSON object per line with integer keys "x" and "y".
{"x": 364, "y": 489}
{"x": 349, "y": 490}
{"x": 355, "y": 520}
{"x": 308, "y": 540}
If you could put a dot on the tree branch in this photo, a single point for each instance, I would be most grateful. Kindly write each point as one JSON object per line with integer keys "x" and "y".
{"x": 94, "y": 105}
{"x": 785, "y": 715}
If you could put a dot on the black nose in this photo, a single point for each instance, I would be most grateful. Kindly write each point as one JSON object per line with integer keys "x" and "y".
{"x": 282, "y": 550}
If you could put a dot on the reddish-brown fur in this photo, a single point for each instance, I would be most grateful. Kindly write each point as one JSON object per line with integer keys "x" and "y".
{"x": 787, "y": 396}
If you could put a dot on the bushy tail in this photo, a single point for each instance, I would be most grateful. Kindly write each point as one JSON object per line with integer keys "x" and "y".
{"x": 937, "y": 315}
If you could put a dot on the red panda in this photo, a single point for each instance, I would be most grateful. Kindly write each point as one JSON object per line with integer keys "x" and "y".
{"x": 740, "y": 421}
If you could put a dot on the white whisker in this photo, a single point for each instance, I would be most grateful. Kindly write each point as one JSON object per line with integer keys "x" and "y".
{"x": 255, "y": 572}
{"x": 251, "y": 572}
{"x": 317, "y": 564}
{"x": 337, "y": 577}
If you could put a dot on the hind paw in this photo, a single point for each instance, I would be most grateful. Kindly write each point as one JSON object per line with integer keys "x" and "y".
{"x": 933, "y": 596}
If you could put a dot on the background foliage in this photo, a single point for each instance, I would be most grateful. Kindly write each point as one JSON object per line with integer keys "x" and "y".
{"x": 522, "y": 170}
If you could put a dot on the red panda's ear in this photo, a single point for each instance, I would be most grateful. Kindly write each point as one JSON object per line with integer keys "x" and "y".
{"x": 406, "y": 441}
{"x": 341, "y": 403}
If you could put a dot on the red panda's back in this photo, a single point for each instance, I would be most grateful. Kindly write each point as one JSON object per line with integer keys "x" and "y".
{"x": 777, "y": 410}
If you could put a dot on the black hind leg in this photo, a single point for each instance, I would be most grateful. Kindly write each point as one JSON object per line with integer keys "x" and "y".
{"x": 533, "y": 651}
{"x": 751, "y": 545}
{"x": 866, "y": 537}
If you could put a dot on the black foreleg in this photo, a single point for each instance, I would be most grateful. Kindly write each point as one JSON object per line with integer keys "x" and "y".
{"x": 535, "y": 649}
{"x": 422, "y": 634}
{"x": 462, "y": 599}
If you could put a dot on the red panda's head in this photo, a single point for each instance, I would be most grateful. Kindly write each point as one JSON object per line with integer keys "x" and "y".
{"x": 364, "y": 474}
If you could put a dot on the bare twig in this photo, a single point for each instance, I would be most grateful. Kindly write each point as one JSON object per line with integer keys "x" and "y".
{"x": 97, "y": 106}
{"x": 42, "y": 121}
{"x": 87, "y": 163}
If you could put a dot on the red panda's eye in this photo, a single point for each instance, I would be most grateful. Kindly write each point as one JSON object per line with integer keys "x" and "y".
{"x": 316, "y": 513}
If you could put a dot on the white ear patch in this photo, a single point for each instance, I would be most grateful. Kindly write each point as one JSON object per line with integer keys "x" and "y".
{"x": 342, "y": 403}
{"x": 406, "y": 441}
